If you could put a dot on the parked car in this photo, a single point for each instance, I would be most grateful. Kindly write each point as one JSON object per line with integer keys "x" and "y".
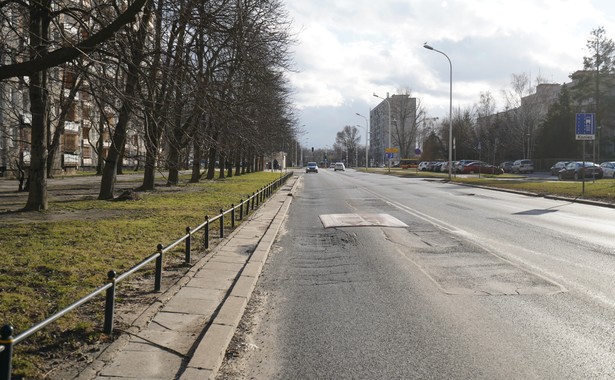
{"x": 506, "y": 166}
{"x": 480, "y": 167}
{"x": 444, "y": 167}
{"x": 608, "y": 169}
{"x": 311, "y": 167}
{"x": 558, "y": 166}
{"x": 339, "y": 166}
{"x": 458, "y": 165}
{"x": 575, "y": 170}
{"x": 523, "y": 166}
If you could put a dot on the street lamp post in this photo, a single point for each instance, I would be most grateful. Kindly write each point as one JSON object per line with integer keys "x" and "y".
{"x": 366, "y": 143}
{"x": 450, "y": 113}
{"x": 389, "y": 104}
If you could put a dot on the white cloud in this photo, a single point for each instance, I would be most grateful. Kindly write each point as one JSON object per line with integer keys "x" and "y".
{"x": 349, "y": 49}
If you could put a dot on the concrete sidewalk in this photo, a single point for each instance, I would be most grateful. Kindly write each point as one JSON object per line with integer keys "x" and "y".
{"x": 187, "y": 337}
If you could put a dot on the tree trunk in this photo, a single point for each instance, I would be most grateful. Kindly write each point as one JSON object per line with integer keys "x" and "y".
{"x": 238, "y": 165}
{"x": 196, "y": 162}
{"x": 39, "y": 35}
{"x": 211, "y": 164}
{"x": 222, "y": 166}
{"x": 120, "y": 161}
{"x": 100, "y": 146}
{"x": 150, "y": 171}
{"x": 173, "y": 157}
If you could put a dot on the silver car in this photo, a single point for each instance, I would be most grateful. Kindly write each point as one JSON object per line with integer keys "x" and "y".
{"x": 608, "y": 169}
{"x": 523, "y": 166}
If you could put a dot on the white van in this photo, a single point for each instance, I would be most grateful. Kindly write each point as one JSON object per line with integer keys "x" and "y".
{"x": 339, "y": 166}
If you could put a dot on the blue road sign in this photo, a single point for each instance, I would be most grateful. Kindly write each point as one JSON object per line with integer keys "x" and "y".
{"x": 586, "y": 126}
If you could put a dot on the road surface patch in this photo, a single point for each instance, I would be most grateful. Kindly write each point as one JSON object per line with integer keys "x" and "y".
{"x": 360, "y": 220}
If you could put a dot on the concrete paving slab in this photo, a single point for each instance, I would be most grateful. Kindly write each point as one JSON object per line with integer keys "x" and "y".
{"x": 219, "y": 271}
{"x": 173, "y": 322}
{"x": 185, "y": 305}
{"x": 143, "y": 365}
{"x": 229, "y": 257}
{"x": 232, "y": 311}
{"x": 253, "y": 269}
{"x": 210, "y": 282}
{"x": 201, "y": 293}
{"x": 260, "y": 255}
{"x": 244, "y": 286}
{"x": 197, "y": 374}
{"x": 151, "y": 341}
{"x": 210, "y": 355}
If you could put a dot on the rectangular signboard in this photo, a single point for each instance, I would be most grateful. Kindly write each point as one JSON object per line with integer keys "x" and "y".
{"x": 586, "y": 126}
{"x": 391, "y": 150}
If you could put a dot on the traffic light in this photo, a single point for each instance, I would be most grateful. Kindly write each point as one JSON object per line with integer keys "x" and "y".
{"x": 312, "y": 149}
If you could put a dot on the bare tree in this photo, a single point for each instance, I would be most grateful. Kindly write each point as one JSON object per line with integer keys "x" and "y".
{"x": 45, "y": 52}
{"x": 347, "y": 140}
{"x": 407, "y": 113}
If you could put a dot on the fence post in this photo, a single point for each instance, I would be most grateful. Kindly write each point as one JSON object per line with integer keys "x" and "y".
{"x": 158, "y": 279}
{"x": 109, "y": 303}
{"x": 253, "y": 196}
{"x": 232, "y": 215}
{"x": 188, "y": 245}
{"x": 221, "y": 223}
{"x": 241, "y": 209}
{"x": 6, "y": 355}
{"x": 206, "y": 232}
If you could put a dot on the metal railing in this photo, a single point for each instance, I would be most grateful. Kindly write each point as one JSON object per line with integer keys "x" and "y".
{"x": 7, "y": 341}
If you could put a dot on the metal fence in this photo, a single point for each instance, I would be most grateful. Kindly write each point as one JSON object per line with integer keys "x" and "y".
{"x": 243, "y": 208}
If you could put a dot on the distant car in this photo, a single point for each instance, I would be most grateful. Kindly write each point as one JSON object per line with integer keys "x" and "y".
{"x": 576, "y": 170}
{"x": 339, "y": 166}
{"x": 506, "y": 166}
{"x": 480, "y": 167}
{"x": 523, "y": 166}
{"x": 558, "y": 166}
{"x": 608, "y": 169}
{"x": 311, "y": 167}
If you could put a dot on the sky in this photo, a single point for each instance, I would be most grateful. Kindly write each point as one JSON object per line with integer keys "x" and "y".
{"x": 347, "y": 50}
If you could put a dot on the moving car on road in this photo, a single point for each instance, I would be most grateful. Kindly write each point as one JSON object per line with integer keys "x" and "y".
{"x": 311, "y": 167}
{"x": 339, "y": 166}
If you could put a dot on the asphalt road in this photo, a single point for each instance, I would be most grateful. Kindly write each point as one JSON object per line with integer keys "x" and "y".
{"x": 479, "y": 285}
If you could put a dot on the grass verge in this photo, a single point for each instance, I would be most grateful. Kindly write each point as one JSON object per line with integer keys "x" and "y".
{"x": 47, "y": 265}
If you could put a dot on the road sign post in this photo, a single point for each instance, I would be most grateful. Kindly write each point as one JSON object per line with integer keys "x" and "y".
{"x": 585, "y": 130}
{"x": 586, "y": 126}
